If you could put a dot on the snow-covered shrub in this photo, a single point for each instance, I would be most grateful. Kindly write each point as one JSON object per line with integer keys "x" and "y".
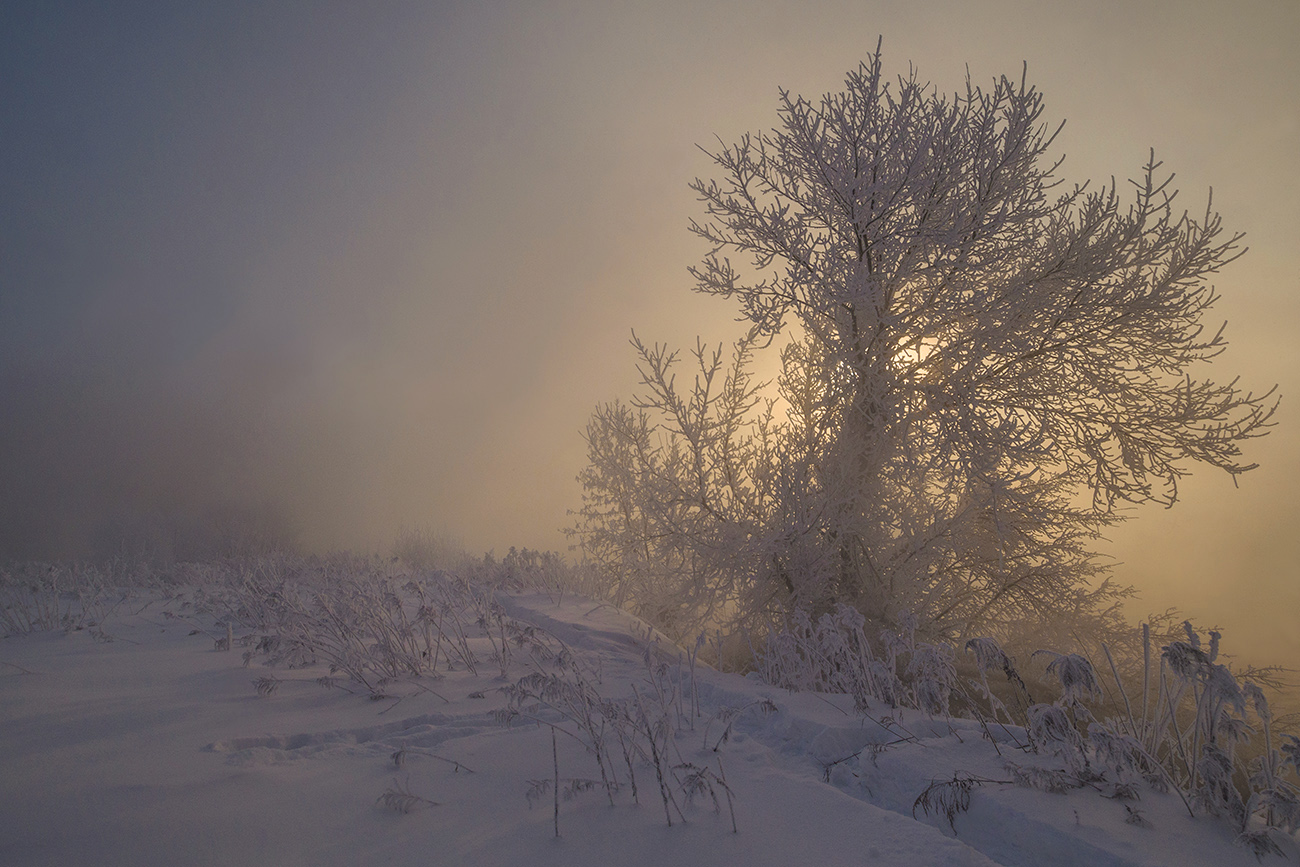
{"x": 1192, "y": 728}
{"x": 1188, "y": 730}
{"x": 641, "y": 729}
{"x": 1076, "y": 675}
{"x": 834, "y": 654}
{"x": 370, "y": 621}
{"x": 424, "y": 550}
{"x": 949, "y": 798}
{"x": 36, "y": 601}
{"x": 932, "y": 676}
{"x": 991, "y": 658}
{"x": 1050, "y": 729}
{"x": 530, "y": 571}
{"x": 46, "y": 597}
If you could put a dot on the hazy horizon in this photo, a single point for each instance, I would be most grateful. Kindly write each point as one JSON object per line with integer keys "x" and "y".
{"x": 326, "y": 273}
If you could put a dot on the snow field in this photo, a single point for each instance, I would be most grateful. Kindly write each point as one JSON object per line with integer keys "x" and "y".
{"x": 155, "y": 748}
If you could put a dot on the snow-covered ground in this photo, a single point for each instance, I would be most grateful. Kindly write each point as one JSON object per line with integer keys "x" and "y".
{"x": 155, "y": 748}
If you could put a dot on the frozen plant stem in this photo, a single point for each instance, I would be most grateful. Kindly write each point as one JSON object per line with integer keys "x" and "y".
{"x": 555, "y": 789}
{"x": 731, "y": 807}
{"x": 658, "y": 760}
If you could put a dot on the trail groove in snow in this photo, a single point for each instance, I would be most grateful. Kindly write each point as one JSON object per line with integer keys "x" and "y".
{"x": 156, "y": 750}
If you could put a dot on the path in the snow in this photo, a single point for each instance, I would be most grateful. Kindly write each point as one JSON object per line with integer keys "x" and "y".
{"x": 157, "y": 750}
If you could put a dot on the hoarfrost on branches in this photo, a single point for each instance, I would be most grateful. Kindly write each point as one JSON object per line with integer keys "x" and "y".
{"x": 980, "y": 366}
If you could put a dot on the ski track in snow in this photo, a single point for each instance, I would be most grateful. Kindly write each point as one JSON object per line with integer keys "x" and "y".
{"x": 423, "y": 732}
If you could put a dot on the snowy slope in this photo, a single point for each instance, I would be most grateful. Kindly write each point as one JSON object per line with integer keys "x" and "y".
{"x": 157, "y": 749}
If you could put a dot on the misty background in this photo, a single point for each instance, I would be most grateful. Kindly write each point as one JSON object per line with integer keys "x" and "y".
{"x": 322, "y": 273}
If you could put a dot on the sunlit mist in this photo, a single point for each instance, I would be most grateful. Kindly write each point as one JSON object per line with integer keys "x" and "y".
{"x": 272, "y": 275}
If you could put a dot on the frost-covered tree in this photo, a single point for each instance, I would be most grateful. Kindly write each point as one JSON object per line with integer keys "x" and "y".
{"x": 984, "y": 366}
